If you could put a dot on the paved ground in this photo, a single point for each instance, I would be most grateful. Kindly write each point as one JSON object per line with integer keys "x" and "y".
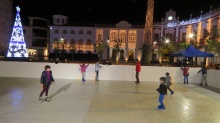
{"x": 104, "y": 102}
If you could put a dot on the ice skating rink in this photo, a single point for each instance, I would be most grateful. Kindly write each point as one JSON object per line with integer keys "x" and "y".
{"x": 105, "y": 102}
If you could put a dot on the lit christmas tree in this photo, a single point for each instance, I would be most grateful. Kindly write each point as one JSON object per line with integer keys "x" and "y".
{"x": 17, "y": 45}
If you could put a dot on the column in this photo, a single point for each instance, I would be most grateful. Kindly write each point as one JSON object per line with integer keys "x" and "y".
{"x": 199, "y": 31}
{"x": 177, "y": 34}
{"x": 188, "y": 31}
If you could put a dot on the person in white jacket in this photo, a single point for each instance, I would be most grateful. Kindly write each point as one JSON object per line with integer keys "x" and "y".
{"x": 97, "y": 67}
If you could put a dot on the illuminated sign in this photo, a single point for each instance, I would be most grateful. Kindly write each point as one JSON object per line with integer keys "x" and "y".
{"x": 182, "y": 23}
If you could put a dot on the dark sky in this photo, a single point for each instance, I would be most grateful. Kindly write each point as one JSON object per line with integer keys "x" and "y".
{"x": 111, "y": 11}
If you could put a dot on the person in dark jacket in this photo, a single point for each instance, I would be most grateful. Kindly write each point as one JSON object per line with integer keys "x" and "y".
{"x": 162, "y": 91}
{"x": 138, "y": 70}
{"x": 46, "y": 80}
{"x": 204, "y": 75}
{"x": 185, "y": 74}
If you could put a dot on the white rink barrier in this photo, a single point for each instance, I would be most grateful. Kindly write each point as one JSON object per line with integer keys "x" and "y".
{"x": 112, "y": 72}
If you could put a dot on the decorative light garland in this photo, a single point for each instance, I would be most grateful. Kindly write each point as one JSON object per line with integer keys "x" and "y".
{"x": 182, "y": 23}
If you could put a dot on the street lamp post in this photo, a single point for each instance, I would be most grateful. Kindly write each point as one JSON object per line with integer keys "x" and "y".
{"x": 108, "y": 48}
{"x": 193, "y": 42}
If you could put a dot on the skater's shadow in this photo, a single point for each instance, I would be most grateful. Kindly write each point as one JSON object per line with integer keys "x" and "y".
{"x": 64, "y": 88}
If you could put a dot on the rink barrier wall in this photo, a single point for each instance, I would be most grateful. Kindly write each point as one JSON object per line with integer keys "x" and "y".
{"x": 112, "y": 72}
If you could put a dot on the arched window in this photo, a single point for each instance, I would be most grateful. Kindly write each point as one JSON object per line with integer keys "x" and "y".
{"x": 64, "y": 32}
{"x": 72, "y": 31}
{"x": 114, "y": 36}
{"x": 80, "y": 42}
{"x": 80, "y": 32}
{"x": 72, "y": 42}
{"x": 89, "y": 42}
{"x": 89, "y": 32}
{"x": 63, "y": 21}
{"x": 56, "y": 31}
{"x": 132, "y": 38}
{"x": 123, "y": 37}
{"x": 99, "y": 37}
{"x": 58, "y": 20}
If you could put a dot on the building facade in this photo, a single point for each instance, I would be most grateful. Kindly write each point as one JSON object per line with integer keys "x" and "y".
{"x": 131, "y": 36}
{"x": 36, "y": 35}
{"x": 6, "y": 22}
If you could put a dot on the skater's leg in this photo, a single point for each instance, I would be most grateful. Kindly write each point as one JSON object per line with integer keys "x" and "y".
{"x": 42, "y": 92}
{"x": 137, "y": 77}
{"x": 171, "y": 91}
{"x": 47, "y": 90}
{"x": 205, "y": 78}
{"x": 161, "y": 97}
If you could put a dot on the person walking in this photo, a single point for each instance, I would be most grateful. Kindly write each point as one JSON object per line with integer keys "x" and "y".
{"x": 204, "y": 75}
{"x": 138, "y": 70}
{"x": 83, "y": 70}
{"x": 168, "y": 83}
{"x": 97, "y": 67}
{"x": 185, "y": 74}
{"x": 46, "y": 80}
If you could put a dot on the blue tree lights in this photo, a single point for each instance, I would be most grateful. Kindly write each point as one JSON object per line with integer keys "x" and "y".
{"x": 17, "y": 45}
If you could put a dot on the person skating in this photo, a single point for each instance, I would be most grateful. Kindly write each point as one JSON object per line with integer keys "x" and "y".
{"x": 97, "y": 67}
{"x": 185, "y": 74}
{"x": 168, "y": 82}
{"x": 138, "y": 70}
{"x": 162, "y": 91}
{"x": 204, "y": 75}
{"x": 46, "y": 80}
{"x": 83, "y": 70}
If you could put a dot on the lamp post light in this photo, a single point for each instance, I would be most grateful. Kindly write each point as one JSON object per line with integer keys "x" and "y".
{"x": 108, "y": 48}
{"x": 167, "y": 41}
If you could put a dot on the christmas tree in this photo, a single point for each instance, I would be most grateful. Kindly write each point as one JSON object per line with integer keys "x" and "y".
{"x": 17, "y": 45}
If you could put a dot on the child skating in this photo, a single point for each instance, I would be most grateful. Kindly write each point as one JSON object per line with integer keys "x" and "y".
{"x": 97, "y": 67}
{"x": 168, "y": 82}
{"x": 162, "y": 91}
{"x": 46, "y": 80}
{"x": 83, "y": 71}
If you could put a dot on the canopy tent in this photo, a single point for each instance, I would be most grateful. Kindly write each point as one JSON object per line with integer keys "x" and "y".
{"x": 192, "y": 52}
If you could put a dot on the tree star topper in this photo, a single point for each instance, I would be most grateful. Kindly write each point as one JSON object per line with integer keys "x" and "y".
{"x": 18, "y": 8}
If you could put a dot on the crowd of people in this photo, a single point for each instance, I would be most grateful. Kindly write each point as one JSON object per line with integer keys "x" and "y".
{"x": 47, "y": 79}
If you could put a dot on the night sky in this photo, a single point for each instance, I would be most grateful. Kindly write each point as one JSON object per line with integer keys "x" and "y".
{"x": 111, "y": 11}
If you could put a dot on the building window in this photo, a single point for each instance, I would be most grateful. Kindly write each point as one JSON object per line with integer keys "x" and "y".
{"x": 123, "y": 37}
{"x": 56, "y": 41}
{"x": 89, "y": 42}
{"x": 89, "y": 32}
{"x": 99, "y": 37}
{"x": 132, "y": 38}
{"x": 56, "y": 31}
{"x": 64, "y": 32}
{"x": 156, "y": 37}
{"x": 183, "y": 36}
{"x": 80, "y": 32}
{"x": 72, "y": 32}
{"x": 169, "y": 36}
{"x": 24, "y": 31}
{"x": 80, "y": 42}
{"x": 72, "y": 42}
{"x": 58, "y": 20}
{"x": 63, "y": 21}
{"x": 114, "y": 36}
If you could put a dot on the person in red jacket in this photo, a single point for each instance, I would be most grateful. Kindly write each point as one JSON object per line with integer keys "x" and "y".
{"x": 138, "y": 70}
{"x": 185, "y": 74}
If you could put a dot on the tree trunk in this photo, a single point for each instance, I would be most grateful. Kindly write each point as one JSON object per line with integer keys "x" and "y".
{"x": 146, "y": 55}
{"x": 100, "y": 57}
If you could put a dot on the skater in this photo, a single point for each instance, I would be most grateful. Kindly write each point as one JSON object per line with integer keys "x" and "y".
{"x": 83, "y": 70}
{"x": 97, "y": 67}
{"x": 162, "y": 91}
{"x": 204, "y": 75}
{"x": 138, "y": 70}
{"x": 46, "y": 80}
{"x": 168, "y": 82}
{"x": 185, "y": 74}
